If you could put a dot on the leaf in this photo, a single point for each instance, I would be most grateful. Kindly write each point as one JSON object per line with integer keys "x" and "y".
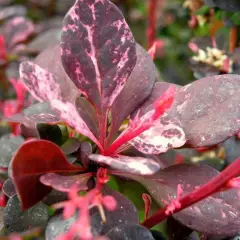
{"x": 71, "y": 146}
{"x": 8, "y": 146}
{"x": 208, "y": 109}
{"x": 9, "y": 188}
{"x": 50, "y": 60}
{"x": 125, "y": 212}
{"x": 134, "y": 165}
{"x": 64, "y": 183}
{"x": 55, "y": 197}
{"x": 16, "y": 220}
{"x": 18, "y": 30}
{"x": 217, "y": 215}
{"x": 84, "y": 152}
{"x": 88, "y": 114}
{"x": 137, "y": 88}
{"x": 12, "y": 11}
{"x": 32, "y": 160}
{"x": 35, "y": 113}
{"x": 42, "y": 84}
{"x": 45, "y": 40}
{"x": 98, "y": 50}
{"x": 129, "y": 231}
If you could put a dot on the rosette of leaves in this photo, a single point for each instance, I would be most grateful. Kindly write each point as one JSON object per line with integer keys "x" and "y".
{"x": 114, "y": 80}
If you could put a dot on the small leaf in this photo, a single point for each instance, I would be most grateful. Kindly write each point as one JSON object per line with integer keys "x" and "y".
{"x": 55, "y": 197}
{"x": 135, "y": 165}
{"x": 32, "y": 160}
{"x": 18, "y": 30}
{"x": 12, "y": 11}
{"x": 64, "y": 183}
{"x": 85, "y": 151}
{"x": 129, "y": 231}
{"x": 137, "y": 88}
{"x": 71, "y": 146}
{"x": 9, "y": 188}
{"x": 98, "y": 50}
{"x": 8, "y": 146}
{"x": 15, "y": 220}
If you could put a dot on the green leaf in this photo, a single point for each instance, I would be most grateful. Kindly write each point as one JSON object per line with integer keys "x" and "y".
{"x": 203, "y": 10}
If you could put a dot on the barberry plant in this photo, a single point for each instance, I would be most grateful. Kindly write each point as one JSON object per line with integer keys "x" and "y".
{"x": 95, "y": 80}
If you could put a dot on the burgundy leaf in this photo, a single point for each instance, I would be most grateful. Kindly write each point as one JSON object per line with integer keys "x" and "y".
{"x": 135, "y": 165}
{"x": 50, "y": 60}
{"x": 33, "y": 159}
{"x": 64, "y": 183}
{"x": 98, "y": 50}
{"x": 208, "y": 109}
{"x": 18, "y": 30}
{"x": 218, "y": 214}
{"x": 88, "y": 114}
{"x": 12, "y": 11}
{"x": 39, "y": 82}
{"x": 137, "y": 88}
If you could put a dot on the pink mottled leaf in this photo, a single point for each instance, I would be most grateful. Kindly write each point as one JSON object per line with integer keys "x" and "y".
{"x": 137, "y": 88}
{"x": 135, "y": 165}
{"x": 18, "y": 30}
{"x": 70, "y": 114}
{"x": 98, "y": 50}
{"x": 12, "y": 11}
{"x": 50, "y": 60}
{"x": 217, "y": 215}
{"x": 64, "y": 183}
{"x": 159, "y": 138}
{"x": 39, "y": 82}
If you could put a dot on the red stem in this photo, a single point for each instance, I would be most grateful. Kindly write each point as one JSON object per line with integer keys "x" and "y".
{"x": 152, "y": 18}
{"x": 233, "y": 39}
{"x": 211, "y": 187}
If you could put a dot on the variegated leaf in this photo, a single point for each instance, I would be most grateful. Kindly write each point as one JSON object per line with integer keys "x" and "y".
{"x": 98, "y": 50}
{"x": 135, "y": 165}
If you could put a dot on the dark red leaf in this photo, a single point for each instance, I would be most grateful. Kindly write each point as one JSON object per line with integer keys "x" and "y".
{"x": 32, "y": 160}
{"x": 18, "y": 30}
{"x": 98, "y": 50}
{"x": 134, "y": 165}
{"x": 218, "y": 214}
{"x": 64, "y": 183}
{"x": 50, "y": 60}
{"x": 138, "y": 87}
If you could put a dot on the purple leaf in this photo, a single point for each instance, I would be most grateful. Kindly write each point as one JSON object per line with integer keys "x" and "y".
{"x": 208, "y": 109}
{"x": 98, "y": 50}
{"x": 18, "y": 30}
{"x": 218, "y": 214}
{"x": 84, "y": 152}
{"x": 88, "y": 114}
{"x": 50, "y": 60}
{"x": 138, "y": 87}
{"x": 42, "y": 84}
{"x": 64, "y": 183}
{"x": 134, "y": 165}
{"x": 12, "y": 11}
